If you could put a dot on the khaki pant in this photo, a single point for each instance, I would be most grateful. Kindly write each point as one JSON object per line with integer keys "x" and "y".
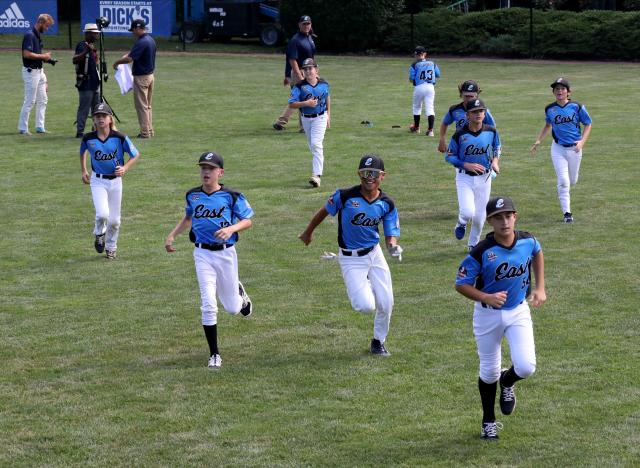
{"x": 286, "y": 113}
{"x": 142, "y": 97}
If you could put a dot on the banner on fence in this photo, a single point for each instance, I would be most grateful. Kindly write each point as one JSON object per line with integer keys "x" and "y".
{"x": 159, "y": 15}
{"x": 18, "y": 16}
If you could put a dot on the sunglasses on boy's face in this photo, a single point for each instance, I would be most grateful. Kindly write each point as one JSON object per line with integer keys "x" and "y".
{"x": 369, "y": 174}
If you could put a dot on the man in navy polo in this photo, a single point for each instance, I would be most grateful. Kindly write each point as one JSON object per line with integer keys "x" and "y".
{"x": 35, "y": 81}
{"x": 143, "y": 56}
{"x": 300, "y": 48}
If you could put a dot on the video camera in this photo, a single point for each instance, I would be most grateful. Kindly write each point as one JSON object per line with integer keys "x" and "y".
{"x": 52, "y": 61}
{"x": 102, "y": 22}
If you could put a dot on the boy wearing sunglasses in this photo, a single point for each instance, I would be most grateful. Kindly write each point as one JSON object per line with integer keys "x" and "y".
{"x": 360, "y": 209}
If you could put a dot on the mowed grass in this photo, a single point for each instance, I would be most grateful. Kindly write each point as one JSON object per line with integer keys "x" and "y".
{"x": 103, "y": 363}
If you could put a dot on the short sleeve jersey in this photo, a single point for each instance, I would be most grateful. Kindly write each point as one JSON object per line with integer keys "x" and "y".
{"x": 300, "y": 47}
{"x": 565, "y": 121}
{"x": 358, "y": 219}
{"x": 474, "y": 147}
{"x": 492, "y": 268}
{"x": 423, "y": 71}
{"x": 458, "y": 115}
{"x": 143, "y": 54}
{"x": 108, "y": 154}
{"x": 32, "y": 42}
{"x": 303, "y": 91}
{"x": 210, "y": 212}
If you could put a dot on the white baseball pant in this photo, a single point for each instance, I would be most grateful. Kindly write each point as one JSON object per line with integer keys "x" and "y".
{"x": 566, "y": 162}
{"x": 473, "y": 195}
{"x": 314, "y": 129}
{"x": 490, "y": 325}
{"x": 107, "y": 197}
{"x": 217, "y": 273}
{"x": 35, "y": 92}
{"x": 368, "y": 282}
{"x": 423, "y": 94}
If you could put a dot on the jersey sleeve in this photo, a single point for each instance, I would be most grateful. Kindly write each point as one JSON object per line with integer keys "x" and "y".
{"x": 547, "y": 117}
{"x": 468, "y": 271}
{"x": 412, "y": 72}
{"x": 188, "y": 208}
{"x": 295, "y": 95}
{"x": 83, "y": 147}
{"x": 488, "y": 119}
{"x": 448, "y": 118}
{"x": 452, "y": 154}
{"x": 129, "y": 147}
{"x": 496, "y": 144}
{"x": 136, "y": 51}
{"x": 585, "y": 119}
{"x": 437, "y": 69}
{"x": 334, "y": 203}
{"x": 27, "y": 42}
{"x": 242, "y": 208}
{"x": 391, "y": 223}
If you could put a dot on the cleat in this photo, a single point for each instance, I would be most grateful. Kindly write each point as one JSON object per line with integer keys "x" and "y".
{"x": 414, "y": 129}
{"x": 247, "y": 305}
{"x": 460, "y": 230}
{"x": 489, "y": 430}
{"x": 507, "y": 397}
{"x": 110, "y": 254}
{"x": 378, "y": 348}
{"x": 429, "y": 133}
{"x": 314, "y": 181}
{"x": 99, "y": 243}
{"x": 41, "y": 130}
{"x": 25, "y": 132}
{"x": 277, "y": 126}
{"x": 568, "y": 218}
{"x": 215, "y": 361}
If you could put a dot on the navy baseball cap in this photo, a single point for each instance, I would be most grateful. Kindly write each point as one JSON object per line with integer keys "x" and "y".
{"x": 469, "y": 86}
{"x": 304, "y": 19}
{"x": 102, "y": 108}
{"x": 308, "y": 63}
{"x": 419, "y": 50}
{"x": 474, "y": 105}
{"x": 137, "y": 23}
{"x": 562, "y": 82}
{"x": 371, "y": 161}
{"x": 500, "y": 205}
{"x": 211, "y": 159}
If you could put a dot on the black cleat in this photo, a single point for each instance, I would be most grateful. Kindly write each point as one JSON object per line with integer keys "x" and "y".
{"x": 507, "y": 397}
{"x": 247, "y": 305}
{"x": 489, "y": 430}
{"x": 378, "y": 348}
{"x": 99, "y": 243}
{"x": 568, "y": 218}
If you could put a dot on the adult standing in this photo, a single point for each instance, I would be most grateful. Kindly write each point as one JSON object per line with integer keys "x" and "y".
{"x": 87, "y": 76}
{"x": 35, "y": 80}
{"x": 143, "y": 56}
{"x": 563, "y": 119}
{"x": 423, "y": 75}
{"x": 300, "y": 48}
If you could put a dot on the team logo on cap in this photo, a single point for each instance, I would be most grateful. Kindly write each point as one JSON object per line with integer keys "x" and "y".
{"x": 477, "y": 103}
{"x": 208, "y": 156}
{"x": 559, "y": 80}
{"x": 500, "y": 203}
{"x": 368, "y": 162}
{"x": 470, "y": 87}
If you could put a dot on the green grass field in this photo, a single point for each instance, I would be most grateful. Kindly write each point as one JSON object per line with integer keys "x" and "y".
{"x": 103, "y": 363}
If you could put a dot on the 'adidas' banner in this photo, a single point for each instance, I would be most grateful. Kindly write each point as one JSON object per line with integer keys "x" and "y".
{"x": 18, "y": 16}
{"x": 159, "y": 15}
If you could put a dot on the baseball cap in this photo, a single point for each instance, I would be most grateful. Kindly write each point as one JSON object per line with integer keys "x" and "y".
{"x": 474, "y": 105}
{"x": 137, "y": 23}
{"x": 308, "y": 63}
{"x": 371, "y": 161}
{"x": 419, "y": 50}
{"x": 211, "y": 159}
{"x": 102, "y": 108}
{"x": 499, "y": 205}
{"x": 561, "y": 81}
{"x": 469, "y": 86}
{"x": 91, "y": 27}
{"x": 304, "y": 19}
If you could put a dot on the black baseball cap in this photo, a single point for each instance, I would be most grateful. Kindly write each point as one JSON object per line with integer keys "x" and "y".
{"x": 562, "y": 82}
{"x": 500, "y": 205}
{"x": 371, "y": 161}
{"x": 102, "y": 108}
{"x": 474, "y": 105}
{"x": 211, "y": 159}
{"x": 308, "y": 63}
{"x": 469, "y": 86}
{"x": 137, "y": 23}
{"x": 419, "y": 50}
{"x": 304, "y": 19}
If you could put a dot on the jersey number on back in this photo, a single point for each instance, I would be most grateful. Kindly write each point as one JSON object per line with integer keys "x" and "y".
{"x": 426, "y": 75}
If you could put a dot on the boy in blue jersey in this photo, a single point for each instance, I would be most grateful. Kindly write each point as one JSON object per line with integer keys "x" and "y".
{"x": 423, "y": 75}
{"x": 563, "y": 119}
{"x": 311, "y": 96}
{"x": 497, "y": 276}
{"x": 215, "y": 215}
{"x": 469, "y": 91}
{"x": 360, "y": 209}
{"x": 106, "y": 147}
{"x": 474, "y": 151}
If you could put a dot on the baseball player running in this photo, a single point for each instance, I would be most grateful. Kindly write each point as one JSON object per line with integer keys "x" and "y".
{"x": 215, "y": 215}
{"x": 497, "y": 276}
{"x": 423, "y": 75}
{"x": 474, "y": 151}
{"x": 365, "y": 271}
{"x": 106, "y": 147}
{"x": 469, "y": 91}
{"x": 563, "y": 119}
{"x": 311, "y": 96}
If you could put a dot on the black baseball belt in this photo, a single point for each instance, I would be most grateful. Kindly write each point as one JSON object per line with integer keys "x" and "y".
{"x": 357, "y": 253}
{"x": 214, "y": 247}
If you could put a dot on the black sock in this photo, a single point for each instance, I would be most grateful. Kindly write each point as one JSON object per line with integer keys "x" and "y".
{"x": 488, "y": 398}
{"x": 431, "y": 119}
{"x": 416, "y": 121}
{"x": 211, "y": 332}
{"x": 509, "y": 378}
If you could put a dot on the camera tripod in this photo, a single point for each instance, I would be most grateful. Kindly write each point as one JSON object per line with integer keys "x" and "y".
{"x": 103, "y": 74}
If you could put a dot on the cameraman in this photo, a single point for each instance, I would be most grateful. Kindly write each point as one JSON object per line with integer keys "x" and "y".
{"x": 35, "y": 81}
{"x": 87, "y": 78}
